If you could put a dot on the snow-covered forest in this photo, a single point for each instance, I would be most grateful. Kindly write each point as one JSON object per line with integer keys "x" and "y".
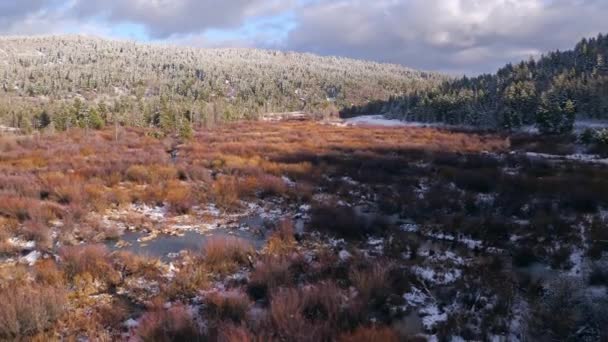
{"x": 85, "y": 81}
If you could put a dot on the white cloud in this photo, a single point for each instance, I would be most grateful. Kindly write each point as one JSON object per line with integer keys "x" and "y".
{"x": 448, "y": 35}
{"x": 166, "y": 18}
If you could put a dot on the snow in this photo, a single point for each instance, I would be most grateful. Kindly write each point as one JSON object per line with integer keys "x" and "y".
{"x": 31, "y": 258}
{"x": 431, "y": 316}
{"x": 154, "y": 213}
{"x": 24, "y": 245}
{"x": 410, "y": 227}
{"x": 577, "y": 157}
{"x": 344, "y": 255}
{"x": 437, "y": 277}
{"x": 131, "y": 323}
{"x": 288, "y": 181}
{"x": 416, "y": 297}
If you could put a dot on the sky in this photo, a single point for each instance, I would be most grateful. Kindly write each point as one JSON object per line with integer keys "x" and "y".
{"x": 453, "y": 36}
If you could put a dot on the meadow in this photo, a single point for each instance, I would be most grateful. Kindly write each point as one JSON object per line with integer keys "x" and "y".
{"x": 367, "y": 234}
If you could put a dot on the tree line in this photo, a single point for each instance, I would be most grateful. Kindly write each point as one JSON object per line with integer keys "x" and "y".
{"x": 549, "y": 92}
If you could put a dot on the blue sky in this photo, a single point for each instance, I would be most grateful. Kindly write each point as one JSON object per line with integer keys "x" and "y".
{"x": 455, "y": 36}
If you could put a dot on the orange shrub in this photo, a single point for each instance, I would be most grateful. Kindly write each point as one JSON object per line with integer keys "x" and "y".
{"x": 226, "y": 192}
{"x": 92, "y": 260}
{"x": 188, "y": 282}
{"x": 138, "y": 174}
{"x": 282, "y": 241}
{"x": 48, "y": 273}
{"x": 225, "y": 254}
{"x": 96, "y": 195}
{"x": 179, "y": 197}
{"x": 29, "y": 310}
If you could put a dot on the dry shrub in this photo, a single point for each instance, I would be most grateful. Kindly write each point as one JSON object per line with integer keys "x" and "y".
{"x": 233, "y": 333}
{"x": 188, "y": 282}
{"x": 17, "y": 207}
{"x": 48, "y": 273}
{"x": 89, "y": 261}
{"x": 131, "y": 264}
{"x": 96, "y": 194}
{"x": 225, "y": 192}
{"x": 139, "y": 174}
{"x": 282, "y": 241}
{"x": 175, "y": 324}
{"x": 198, "y": 174}
{"x": 269, "y": 185}
{"x": 371, "y": 334}
{"x": 39, "y": 232}
{"x": 24, "y": 185}
{"x": 179, "y": 197}
{"x": 27, "y": 310}
{"x": 224, "y": 254}
{"x": 164, "y": 173}
{"x": 112, "y": 314}
{"x": 71, "y": 193}
{"x": 372, "y": 282}
{"x": 269, "y": 274}
{"x": 227, "y": 306}
{"x": 309, "y": 314}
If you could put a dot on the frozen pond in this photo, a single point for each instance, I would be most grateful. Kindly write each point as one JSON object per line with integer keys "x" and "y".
{"x": 163, "y": 246}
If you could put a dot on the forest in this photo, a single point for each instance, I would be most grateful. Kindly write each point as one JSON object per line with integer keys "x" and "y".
{"x": 77, "y": 81}
{"x": 549, "y": 92}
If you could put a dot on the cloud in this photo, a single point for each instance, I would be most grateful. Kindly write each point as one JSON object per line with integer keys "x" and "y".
{"x": 12, "y": 12}
{"x": 166, "y": 18}
{"x": 456, "y": 36}
{"x": 451, "y": 35}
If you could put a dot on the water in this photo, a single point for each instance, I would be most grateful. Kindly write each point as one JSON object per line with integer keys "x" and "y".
{"x": 410, "y": 325}
{"x": 164, "y": 245}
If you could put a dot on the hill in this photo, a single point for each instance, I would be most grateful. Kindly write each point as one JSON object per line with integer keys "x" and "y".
{"x": 549, "y": 92}
{"x": 62, "y": 79}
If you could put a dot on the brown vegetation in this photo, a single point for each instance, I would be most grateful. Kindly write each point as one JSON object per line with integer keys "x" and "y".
{"x": 224, "y": 254}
